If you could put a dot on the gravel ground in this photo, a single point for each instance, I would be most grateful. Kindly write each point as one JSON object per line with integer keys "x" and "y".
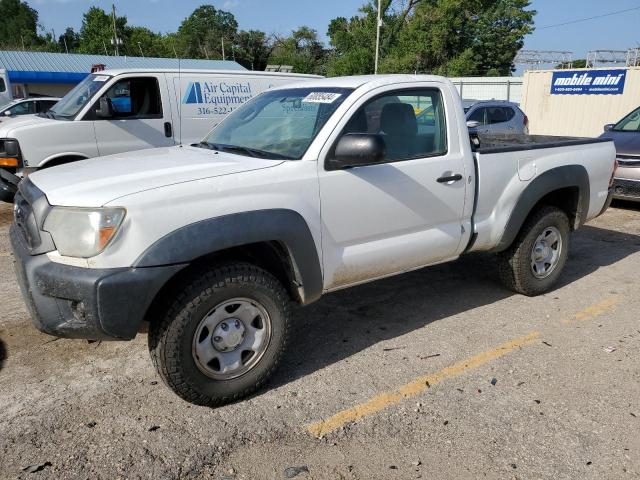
{"x": 565, "y": 403}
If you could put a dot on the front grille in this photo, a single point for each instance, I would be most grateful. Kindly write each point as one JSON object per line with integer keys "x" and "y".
{"x": 628, "y": 161}
{"x": 25, "y": 221}
{"x": 626, "y": 188}
{"x": 29, "y": 211}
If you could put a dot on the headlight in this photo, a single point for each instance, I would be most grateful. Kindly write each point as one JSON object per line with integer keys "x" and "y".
{"x": 11, "y": 155}
{"x": 83, "y": 232}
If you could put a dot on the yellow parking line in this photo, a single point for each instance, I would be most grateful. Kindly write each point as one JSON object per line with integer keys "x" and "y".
{"x": 414, "y": 387}
{"x": 594, "y": 310}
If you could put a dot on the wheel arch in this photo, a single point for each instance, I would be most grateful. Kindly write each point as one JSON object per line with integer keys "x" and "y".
{"x": 276, "y": 240}
{"x": 565, "y": 187}
{"x": 62, "y": 159}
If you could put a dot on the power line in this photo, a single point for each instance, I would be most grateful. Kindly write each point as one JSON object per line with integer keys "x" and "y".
{"x": 589, "y": 18}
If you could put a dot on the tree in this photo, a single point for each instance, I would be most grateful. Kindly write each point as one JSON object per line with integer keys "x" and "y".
{"x": 201, "y": 34}
{"x": 96, "y": 34}
{"x": 19, "y": 26}
{"x": 252, "y": 49}
{"x": 140, "y": 41}
{"x": 450, "y": 37}
{"x": 302, "y": 50}
{"x": 69, "y": 40}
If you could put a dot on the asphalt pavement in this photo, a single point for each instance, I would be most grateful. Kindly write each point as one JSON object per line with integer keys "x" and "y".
{"x": 435, "y": 374}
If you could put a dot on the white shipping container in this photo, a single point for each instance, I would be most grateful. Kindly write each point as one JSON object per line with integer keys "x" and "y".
{"x": 575, "y": 115}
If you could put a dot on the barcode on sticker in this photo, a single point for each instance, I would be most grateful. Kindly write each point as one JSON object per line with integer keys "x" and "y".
{"x": 321, "y": 97}
{"x": 101, "y": 78}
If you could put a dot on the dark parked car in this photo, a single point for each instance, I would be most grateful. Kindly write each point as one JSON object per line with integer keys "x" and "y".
{"x": 626, "y": 137}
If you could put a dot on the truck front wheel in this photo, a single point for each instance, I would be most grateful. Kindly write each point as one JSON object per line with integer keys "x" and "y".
{"x": 222, "y": 336}
{"x": 533, "y": 263}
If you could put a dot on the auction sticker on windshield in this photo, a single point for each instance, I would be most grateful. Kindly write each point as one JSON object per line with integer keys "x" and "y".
{"x": 321, "y": 97}
{"x": 101, "y": 78}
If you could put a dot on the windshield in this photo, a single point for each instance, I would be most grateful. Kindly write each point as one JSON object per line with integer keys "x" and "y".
{"x": 77, "y": 98}
{"x": 630, "y": 123}
{"x": 277, "y": 124}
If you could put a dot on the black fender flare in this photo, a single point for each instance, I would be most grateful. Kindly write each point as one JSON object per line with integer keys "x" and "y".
{"x": 546, "y": 183}
{"x": 206, "y": 237}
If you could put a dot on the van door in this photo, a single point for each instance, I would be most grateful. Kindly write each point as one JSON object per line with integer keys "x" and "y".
{"x": 141, "y": 115}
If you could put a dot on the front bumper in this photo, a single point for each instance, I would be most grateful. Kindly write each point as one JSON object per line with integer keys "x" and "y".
{"x": 75, "y": 302}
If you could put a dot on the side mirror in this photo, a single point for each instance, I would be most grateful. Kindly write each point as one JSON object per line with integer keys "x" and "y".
{"x": 105, "y": 108}
{"x": 358, "y": 150}
{"x": 7, "y": 113}
{"x": 608, "y": 127}
{"x": 473, "y": 124}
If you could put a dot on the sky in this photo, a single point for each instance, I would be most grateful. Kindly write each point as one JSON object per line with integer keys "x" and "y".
{"x": 616, "y": 32}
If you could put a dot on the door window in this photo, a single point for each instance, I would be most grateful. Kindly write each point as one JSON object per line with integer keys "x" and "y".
{"x": 135, "y": 98}
{"x": 45, "y": 105}
{"x": 23, "y": 108}
{"x": 412, "y": 123}
{"x": 499, "y": 114}
{"x": 3, "y": 86}
{"x": 478, "y": 115}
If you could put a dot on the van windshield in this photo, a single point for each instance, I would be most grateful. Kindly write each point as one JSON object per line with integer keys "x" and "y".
{"x": 76, "y": 99}
{"x": 278, "y": 124}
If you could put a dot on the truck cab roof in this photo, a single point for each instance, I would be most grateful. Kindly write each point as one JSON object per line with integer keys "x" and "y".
{"x": 370, "y": 81}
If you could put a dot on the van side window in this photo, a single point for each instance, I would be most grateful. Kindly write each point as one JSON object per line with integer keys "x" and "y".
{"x": 3, "y": 86}
{"x": 412, "y": 123}
{"x": 136, "y": 98}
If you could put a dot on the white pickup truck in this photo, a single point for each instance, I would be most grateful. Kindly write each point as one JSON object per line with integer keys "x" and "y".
{"x": 304, "y": 190}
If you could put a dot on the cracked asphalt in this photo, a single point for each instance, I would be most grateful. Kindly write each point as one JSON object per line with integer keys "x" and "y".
{"x": 439, "y": 373}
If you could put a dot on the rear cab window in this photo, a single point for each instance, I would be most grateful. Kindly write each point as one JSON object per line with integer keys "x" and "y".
{"x": 3, "y": 85}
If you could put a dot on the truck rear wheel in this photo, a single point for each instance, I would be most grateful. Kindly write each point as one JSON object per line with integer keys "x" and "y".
{"x": 533, "y": 263}
{"x": 222, "y": 336}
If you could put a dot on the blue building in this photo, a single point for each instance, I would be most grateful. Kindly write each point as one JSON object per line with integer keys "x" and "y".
{"x": 41, "y": 73}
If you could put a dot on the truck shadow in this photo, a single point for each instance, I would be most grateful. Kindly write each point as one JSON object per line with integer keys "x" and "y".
{"x": 346, "y": 322}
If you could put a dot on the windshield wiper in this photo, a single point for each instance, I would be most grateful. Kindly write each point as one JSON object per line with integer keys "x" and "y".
{"x": 253, "y": 152}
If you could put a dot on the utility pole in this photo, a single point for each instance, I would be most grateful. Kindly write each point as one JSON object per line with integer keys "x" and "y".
{"x": 115, "y": 32}
{"x": 140, "y": 47}
{"x": 378, "y": 25}
{"x": 104, "y": 44}
{"x": 64, "y": 39}
{"x": 223, "y": 55}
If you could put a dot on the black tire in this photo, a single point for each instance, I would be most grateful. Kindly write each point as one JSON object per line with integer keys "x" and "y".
{"x": 514, "y": 264}
{"x": 171, "y": 337}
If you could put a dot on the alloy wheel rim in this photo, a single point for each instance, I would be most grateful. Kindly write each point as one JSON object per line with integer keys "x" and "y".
{"x": 231, "y": 338}
{"x": 546, "y": 252}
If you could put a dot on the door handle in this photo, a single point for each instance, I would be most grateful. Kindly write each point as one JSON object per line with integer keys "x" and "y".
{"x": 451, "y": 178}
{"x": 168, "y": 131}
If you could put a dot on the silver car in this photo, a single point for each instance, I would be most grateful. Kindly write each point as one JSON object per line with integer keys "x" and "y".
{"x": 27, "y": 106}
{"x": 495, "y": 116}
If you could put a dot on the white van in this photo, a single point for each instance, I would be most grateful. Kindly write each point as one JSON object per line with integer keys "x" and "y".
{"x": 5, "y": 88}
{"x": 116, "y": 111}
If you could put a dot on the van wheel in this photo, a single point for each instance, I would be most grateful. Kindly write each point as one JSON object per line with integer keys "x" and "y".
{"x": 533, "y": 263}
{"x": 222, "y": 336}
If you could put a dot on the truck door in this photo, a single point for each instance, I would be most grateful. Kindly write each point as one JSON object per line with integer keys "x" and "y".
{"x": 404, "y": 213}
{"x": 141, "y": 115}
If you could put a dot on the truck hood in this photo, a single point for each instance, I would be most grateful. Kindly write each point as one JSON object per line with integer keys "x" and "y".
{"x": 98, "y": 181}
{"x": 9, "y": 124}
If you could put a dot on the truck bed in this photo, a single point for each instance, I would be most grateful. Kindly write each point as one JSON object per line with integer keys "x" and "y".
{"x": 498, "y": 143}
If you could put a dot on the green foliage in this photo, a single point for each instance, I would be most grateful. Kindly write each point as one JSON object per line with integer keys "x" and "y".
{"x": 200, "y": 35}
{"x": 302, "y": 50}
{"x": 252, "y": 49}
{"x": 96, "y": 34}
{"x": 19, "y": 26}
{"x": 69, "y": 40}
{"x": 449, "y": 37}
